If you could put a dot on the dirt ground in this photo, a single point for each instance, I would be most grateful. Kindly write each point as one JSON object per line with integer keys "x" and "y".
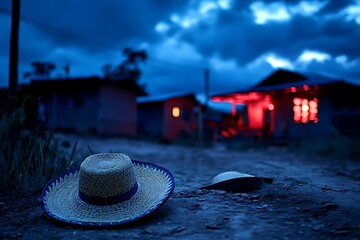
{"x": 310, "y": 198}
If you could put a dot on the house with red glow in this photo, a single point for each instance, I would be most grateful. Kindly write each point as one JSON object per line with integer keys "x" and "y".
{"x": 292, "y": 104}
{"x": 88, "y": 104}
{"x": 168, "y": 116}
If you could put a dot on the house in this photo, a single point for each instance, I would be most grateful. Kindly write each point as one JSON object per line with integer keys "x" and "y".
{"x": 89, "y": 104}
{"x": 169, "y": 116}
{"x": 292, "y": 104}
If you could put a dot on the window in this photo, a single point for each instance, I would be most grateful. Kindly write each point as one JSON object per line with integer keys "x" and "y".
{"x": 305, "y": 110}
{"x": 176, "y": 112}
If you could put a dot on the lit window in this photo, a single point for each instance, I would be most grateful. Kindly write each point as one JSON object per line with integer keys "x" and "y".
{"x": 305, "y": 110}
{"x": 176, "y": 112}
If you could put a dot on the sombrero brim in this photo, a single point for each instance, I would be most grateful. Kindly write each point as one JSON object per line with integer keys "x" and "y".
{"x": 60, "y": 199}
{"x": 241, "y": 184}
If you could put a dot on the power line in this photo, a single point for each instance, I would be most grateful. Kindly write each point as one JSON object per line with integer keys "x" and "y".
{"x": 65, "y": 34}
{"x": 60, "y": 32}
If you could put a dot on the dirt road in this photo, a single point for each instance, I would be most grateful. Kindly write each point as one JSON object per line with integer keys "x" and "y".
{"x": 310, "y": 198}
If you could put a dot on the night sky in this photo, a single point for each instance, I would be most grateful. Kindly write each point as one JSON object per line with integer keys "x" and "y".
{"x": 239, "y": 41}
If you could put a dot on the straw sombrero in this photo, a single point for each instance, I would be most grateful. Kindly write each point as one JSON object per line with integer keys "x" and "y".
{"x": 233, "y": 181}
{"x": 108, "y": 189}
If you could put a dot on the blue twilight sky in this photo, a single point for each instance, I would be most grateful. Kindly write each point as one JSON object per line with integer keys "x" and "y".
{"x": 240, "y": 41}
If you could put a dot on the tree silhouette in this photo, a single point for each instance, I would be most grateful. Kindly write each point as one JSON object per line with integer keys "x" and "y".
{"x": 40, "y": 70}
{"x": 66, "y": 69}
{"x": 131, "y": 64}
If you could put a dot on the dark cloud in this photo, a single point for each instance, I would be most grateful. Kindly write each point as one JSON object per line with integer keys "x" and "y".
{"x": 113, "y": 23}
{"x": 95, "y": 32}
{"x": 349, "y": 72}
{"x": 236, "y": 36}
{"x": 333, "y": 36}
{"x": 335, "y": 6}
{"x": 97, "y": 24}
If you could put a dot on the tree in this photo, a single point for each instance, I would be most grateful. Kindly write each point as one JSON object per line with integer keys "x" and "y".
{"x": 14, "y": 47}
{"x": 40, "y": 70}
{"x": 66, "y": 69}
{"x": 131, "y": 64}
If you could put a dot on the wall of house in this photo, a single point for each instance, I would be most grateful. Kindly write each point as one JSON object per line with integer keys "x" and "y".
{"x": 117, "y": 112}
{"x": 182, "y": 126}
{"x": 150, "y": 119}
{"x": 72, "y": 110}
{"x": 285, "y": 126}
{"x": 345, "y": 106}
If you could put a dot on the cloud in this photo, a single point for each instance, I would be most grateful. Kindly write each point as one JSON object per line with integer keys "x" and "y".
{"x": 240, "y": 41}
{"x": 269, "y": 12}
{"x": 275, "y": 28}
{"x": 334, "y": 7}
{"x": 308, "y": 56}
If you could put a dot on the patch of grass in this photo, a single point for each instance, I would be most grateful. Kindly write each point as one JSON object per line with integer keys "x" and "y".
{"x": 29, "y": 155}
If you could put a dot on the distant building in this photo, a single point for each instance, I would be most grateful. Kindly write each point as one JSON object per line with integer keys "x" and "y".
{"x": 291, "y": 104}
{"x": 168, "y": 117}
{"x": 89, "y": 104}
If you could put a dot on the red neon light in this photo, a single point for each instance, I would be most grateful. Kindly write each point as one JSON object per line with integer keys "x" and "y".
{"x": 305, "y": 110}
{"x": 271, "y": 107}
{"x": 297, "y": 109}
{"x": 225, "y": 134}
{"x": 305, "y": 107}
{"x": 304, "y": 120}
{"x": 313, "y": 104}
{"x": 293, "y": 89}
{"x": 306, "y": 87}
{"x": 238, "y": 98}
{"x": 232, "y": 131}
{"x": 233, "y": 109}
{"x": 297, "y": 101}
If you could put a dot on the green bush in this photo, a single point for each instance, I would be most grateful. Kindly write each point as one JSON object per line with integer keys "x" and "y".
{"x": 29, "y": 154}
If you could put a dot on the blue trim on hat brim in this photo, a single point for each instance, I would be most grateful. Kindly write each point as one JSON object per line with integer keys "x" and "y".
{"x": 95, "y": 224}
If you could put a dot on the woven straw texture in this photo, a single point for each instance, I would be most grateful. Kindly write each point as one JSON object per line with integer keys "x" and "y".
{"x": 114, "y": 169}
{"x": 61, "y": 199}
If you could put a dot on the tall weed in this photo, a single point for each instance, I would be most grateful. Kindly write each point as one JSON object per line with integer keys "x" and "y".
{"x": 29, "y": 154}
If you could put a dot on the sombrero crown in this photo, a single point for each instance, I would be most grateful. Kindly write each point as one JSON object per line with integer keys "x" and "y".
{"x": 108, "y": 189}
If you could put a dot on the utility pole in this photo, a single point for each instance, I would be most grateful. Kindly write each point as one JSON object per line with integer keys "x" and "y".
{"x": 14, "y": 47}
{"x": 204, "y": 114}
{"x": 206, "y": 88}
